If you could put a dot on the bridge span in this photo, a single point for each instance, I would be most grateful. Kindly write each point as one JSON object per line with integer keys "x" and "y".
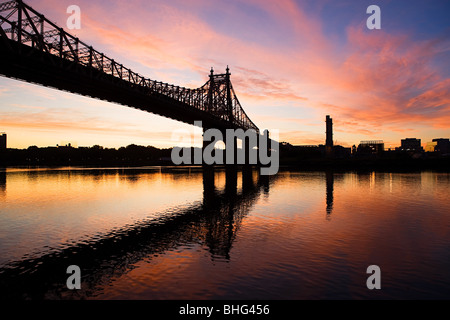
{"x": 34, "y": 49}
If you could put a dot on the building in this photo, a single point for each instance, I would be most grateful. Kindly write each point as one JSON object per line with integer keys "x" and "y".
{"x": 411, "y": 144}
{"x": 329, "y": 132}
{"x": 371, "y": 147}
{"x": 440, "y": 145}
{"x": 3, "y": 144}
{"x": 342, "y": 152}
{"x": 329, "y": 136}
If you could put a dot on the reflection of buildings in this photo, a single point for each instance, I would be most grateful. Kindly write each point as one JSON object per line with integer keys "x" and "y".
{"x": 330, "y": 192}
{"x": 2, "y": 183}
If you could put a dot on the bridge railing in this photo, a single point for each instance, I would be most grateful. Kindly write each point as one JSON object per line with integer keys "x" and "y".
{"x": 21, "y": 23}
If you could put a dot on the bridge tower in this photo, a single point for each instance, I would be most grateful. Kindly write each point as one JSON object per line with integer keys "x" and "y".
{"x": 229, "y": 99}
{"x": 211, "y": 90}
{"x": 220, "y": 103}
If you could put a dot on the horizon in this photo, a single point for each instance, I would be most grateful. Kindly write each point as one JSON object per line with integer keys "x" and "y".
{"x": 292, "y": 63}
{"x": 218, "y": 146}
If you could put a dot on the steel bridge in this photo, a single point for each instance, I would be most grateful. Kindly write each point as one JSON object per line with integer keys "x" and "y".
{"x": 34, "y": 49}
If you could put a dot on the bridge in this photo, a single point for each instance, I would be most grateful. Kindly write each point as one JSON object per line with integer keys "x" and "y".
{"x": 34, "y": 49}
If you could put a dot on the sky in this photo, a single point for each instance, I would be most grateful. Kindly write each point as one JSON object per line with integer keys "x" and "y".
{"x": 291, "y": 62}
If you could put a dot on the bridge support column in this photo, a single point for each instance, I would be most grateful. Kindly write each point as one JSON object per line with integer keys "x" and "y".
{"x": 267, "y": 150}
{"x": 230, "y": 151}
{"x": 269, "y": 144}
{"x": 246, "y": 149}
{"x": 204, "y": 145}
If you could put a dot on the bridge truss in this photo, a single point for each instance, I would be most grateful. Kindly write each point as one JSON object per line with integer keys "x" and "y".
{"x": 34, "y": 49}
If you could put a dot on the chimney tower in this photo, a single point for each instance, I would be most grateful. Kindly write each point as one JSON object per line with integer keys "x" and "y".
{"x": 329, "y": 140}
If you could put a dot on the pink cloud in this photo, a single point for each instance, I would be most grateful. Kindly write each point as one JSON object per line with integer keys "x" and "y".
{"x": 376, "y": 82}
{"x": 389, "y": 79}
{"x": 379, "y": 78}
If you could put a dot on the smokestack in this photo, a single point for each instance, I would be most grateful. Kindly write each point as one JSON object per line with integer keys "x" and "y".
{"x": 329, "y": 140}
{"x": 3, "y": 144}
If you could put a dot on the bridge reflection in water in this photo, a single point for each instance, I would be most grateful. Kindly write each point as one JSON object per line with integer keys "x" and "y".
{"x": 213, "y": 223}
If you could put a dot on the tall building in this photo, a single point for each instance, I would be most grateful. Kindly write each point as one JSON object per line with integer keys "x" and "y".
{"x": 440, "y": 145}
{"x": 3, "y": 141}
{"x": 329, "y": 138}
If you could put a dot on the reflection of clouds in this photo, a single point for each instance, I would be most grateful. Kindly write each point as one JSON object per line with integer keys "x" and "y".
{"x": 230, "y": 244}
{"x": 213, "y": 222}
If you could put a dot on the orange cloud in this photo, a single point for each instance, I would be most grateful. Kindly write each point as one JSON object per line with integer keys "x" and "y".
{"x": 51, "y": 121}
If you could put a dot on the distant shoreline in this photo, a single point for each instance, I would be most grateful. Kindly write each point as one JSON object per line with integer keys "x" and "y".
{"x": 134, "y": 156}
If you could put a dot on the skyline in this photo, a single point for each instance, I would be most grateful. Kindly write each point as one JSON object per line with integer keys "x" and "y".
{"x": 384, "y": 84}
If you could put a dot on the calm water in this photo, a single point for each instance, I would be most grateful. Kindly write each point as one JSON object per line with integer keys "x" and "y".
{"x": 153, "y": 233}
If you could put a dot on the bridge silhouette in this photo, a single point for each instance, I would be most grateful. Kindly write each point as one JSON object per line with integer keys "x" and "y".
{"x": 34, "y": 49}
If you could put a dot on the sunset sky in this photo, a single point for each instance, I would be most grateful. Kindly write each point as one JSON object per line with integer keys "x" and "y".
{"x": 292, "y": 63}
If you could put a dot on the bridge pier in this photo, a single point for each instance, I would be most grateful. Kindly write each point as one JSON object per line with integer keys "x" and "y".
{"x": 204, "y": 145}
{"x": 256, "y": 148}
{"x": 267, "y": 149}
{"x": 230, "y": 152}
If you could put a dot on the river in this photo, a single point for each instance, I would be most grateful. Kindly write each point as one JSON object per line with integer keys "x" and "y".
{"x": 183, "y": 233}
